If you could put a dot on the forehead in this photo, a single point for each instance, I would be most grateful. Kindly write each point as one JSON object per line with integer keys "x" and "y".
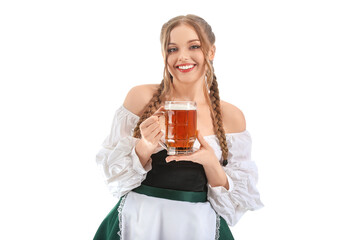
{"x": 182, "y": 34}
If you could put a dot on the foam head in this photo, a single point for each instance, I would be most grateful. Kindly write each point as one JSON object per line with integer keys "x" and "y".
{"x": 180, "y": 105}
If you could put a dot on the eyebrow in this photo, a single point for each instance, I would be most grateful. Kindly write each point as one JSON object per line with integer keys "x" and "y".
{"x": 193, "y": 40}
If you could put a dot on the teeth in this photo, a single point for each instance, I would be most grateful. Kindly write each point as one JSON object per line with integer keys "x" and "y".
{"x": 186, "y": 66}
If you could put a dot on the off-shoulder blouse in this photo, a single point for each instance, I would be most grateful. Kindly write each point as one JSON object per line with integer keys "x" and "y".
{"x": 123, "y": 171}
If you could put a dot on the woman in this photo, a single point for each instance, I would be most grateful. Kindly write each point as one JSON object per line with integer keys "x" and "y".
{"x": 137, "y": 168}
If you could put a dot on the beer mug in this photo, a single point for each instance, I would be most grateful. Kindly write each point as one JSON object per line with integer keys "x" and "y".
{"x": 180, "y": 127}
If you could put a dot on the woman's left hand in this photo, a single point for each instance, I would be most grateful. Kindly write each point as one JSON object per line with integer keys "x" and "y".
{"x": 204, "y": 156}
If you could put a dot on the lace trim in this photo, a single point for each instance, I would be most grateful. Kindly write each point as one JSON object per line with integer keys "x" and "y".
{"x": 217, "y": 233}
{"x": 121, "y": 205}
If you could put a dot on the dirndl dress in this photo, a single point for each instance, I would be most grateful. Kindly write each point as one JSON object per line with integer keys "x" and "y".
{"x": 173, "y": 201}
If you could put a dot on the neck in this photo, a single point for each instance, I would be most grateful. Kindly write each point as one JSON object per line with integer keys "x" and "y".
{"x": 188, "y": 91}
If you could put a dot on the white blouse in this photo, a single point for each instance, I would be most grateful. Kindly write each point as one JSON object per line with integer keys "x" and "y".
{"x": 124, "y": 172}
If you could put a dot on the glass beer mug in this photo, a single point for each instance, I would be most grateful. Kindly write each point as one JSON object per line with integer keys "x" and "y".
{"x": 180, "y": 127}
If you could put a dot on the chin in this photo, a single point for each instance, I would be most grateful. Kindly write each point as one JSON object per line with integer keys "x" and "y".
{"x": 187, "y": 80}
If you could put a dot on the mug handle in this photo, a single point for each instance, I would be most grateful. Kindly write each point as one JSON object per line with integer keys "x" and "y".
{"x": 163, "y": 144}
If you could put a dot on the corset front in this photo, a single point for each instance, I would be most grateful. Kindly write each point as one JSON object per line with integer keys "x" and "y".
{"x": 176, "y": 175}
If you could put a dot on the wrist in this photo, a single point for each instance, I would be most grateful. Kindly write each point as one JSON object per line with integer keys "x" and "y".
{"x": 211, "y": 162}
{"x": 143, "y": 151}
{"x": 216, "y": 174}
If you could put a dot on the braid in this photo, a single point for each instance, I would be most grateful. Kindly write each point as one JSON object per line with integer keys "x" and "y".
{"x": 217, "y": 119}
{"x": 150, "y": 108}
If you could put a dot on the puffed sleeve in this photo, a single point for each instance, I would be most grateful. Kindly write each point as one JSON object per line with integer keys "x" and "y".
{"x": 117, "y": 158}
{"x": 242, "y": 176}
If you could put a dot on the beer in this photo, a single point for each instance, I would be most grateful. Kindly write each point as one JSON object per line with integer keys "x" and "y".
{"x": 180, "y": 126}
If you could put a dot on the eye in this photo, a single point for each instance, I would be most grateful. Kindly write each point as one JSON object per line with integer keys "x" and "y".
{"x": 195, "y": 47}
{"x": 170, "y": 50}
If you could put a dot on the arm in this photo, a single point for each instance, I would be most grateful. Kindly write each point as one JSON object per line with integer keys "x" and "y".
{"x": 233, "y": 122}
{"x": 242, "y": 175}
{"x": 136, "y": 101}
{"x": 117, "y": 159}
{"x": 216, "y": 175}
{"x": 122, "y": 167}
{"x": 231, "y": 203}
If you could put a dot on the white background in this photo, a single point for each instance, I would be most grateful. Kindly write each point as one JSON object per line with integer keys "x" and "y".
{"x": 290, "y": 66}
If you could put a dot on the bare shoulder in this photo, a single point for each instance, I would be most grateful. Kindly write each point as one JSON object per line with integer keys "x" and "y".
{"x": 138, "y": 97}
{"x": 233, "y": 118}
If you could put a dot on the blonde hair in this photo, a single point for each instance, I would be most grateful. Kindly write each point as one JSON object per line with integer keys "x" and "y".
{"x": 211, "y": 91}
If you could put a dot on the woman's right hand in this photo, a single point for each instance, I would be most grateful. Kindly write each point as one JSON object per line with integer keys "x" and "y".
{"x": 151, "y": 134}
{"x": 150, "y": 129}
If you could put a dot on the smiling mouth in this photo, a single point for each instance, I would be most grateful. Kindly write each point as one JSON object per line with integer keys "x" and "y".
{"x": 186, "y": 67}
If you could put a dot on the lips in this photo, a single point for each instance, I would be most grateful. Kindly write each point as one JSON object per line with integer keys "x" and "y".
{"x": 185, "y": 67}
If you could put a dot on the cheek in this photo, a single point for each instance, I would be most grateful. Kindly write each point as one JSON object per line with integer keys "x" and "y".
{"x": 200, "y": 58}
{"x": 170, "y": 63}
{"x": 171, "y": 59}
{"x": 169, "y": 68}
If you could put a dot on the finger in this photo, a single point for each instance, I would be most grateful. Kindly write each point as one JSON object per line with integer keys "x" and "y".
{"x": 148, "y": 122}
{"x": 160, "y": 111}
{"x": 201, "y": 139}
{"x": 188, "y": 157}
{"x": 154, "y": 133}
{"x": 151, "y": 128}
{"x": 158, "y": 137}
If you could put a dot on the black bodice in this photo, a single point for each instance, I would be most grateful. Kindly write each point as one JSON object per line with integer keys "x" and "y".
{"x": 181, "y": 175}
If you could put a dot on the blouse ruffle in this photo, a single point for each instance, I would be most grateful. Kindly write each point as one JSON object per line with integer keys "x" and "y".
{"x": 120, "y": 164}
{"x": 123, "y": 170}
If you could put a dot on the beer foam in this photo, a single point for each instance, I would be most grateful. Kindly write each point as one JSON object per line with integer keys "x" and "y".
{"x": 179, "y": 106}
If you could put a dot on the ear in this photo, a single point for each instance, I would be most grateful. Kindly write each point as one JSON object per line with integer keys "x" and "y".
{"x": 212, "y": 52}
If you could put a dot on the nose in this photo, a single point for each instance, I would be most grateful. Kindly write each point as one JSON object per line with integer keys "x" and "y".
{"x": 183, "y": 55}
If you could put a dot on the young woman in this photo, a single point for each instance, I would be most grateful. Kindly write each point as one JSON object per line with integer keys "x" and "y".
{"x": 195, "y": 196}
